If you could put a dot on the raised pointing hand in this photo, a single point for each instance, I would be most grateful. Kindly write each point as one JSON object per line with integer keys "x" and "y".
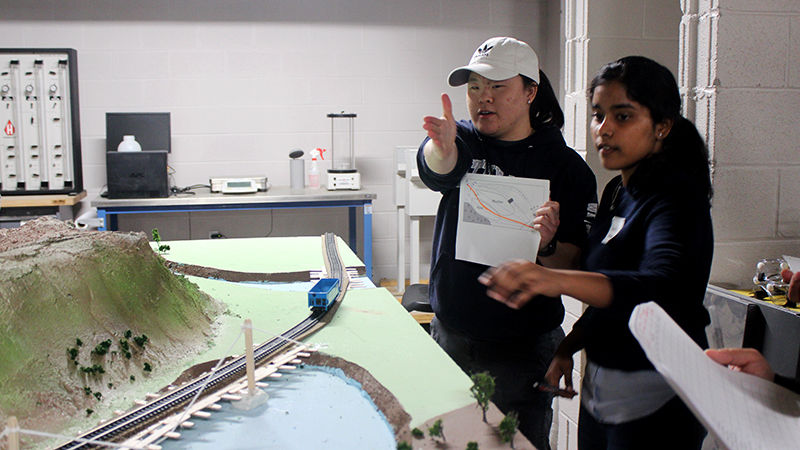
{"x": 442, "y": 130}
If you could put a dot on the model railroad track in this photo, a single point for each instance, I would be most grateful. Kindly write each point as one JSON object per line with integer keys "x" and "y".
{"x": 135, "y": 420}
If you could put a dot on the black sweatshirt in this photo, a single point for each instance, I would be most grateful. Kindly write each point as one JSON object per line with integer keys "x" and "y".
{"x": 458, "y": 299}
{"x": 662, "y": 253}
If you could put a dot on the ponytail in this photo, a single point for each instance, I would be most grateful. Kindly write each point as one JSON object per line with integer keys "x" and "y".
{"x": 545, "y": 112}
{"x": 685, "y": 149}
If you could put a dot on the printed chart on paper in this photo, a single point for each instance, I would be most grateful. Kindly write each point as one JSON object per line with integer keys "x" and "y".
{"x": 496, "y": 203}
{"x": 496, "y": 216}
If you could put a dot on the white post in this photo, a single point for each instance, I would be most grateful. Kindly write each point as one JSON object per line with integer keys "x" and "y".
{"x": 250, "y": 359}
{"x": 13, "y": 433}
{"x": 401, "y": 249}
{"x": 413, "y": 236}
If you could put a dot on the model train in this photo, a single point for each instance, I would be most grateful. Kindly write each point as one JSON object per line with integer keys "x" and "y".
{"x": 323, "y": 294}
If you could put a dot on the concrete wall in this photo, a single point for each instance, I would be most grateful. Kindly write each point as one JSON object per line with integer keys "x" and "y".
{"x": 248, "y": 81}
{"x": 745, "y": 95}
{"x": 647, "y": 27}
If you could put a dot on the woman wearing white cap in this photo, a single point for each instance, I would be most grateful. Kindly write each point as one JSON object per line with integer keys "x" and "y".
{"x": 514, "y": 131}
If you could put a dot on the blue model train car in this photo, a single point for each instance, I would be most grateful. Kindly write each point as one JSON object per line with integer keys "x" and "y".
{"x": 323, "y": 293}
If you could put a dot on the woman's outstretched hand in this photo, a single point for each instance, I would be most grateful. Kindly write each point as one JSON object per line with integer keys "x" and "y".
{"x": 514, "y": 283}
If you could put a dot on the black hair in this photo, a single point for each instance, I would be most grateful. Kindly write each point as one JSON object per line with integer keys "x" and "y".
{"x": 545, "y": 112}
{"x": 653, "y": 86}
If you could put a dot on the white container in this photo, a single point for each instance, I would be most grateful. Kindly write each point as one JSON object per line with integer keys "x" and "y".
{"x": 129, "y": 144}
{"x": 313, "y": 171}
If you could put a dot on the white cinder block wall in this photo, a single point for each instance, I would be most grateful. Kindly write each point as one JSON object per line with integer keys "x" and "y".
{"x": 248, "y": 81}
{"x": 746, "y": 92}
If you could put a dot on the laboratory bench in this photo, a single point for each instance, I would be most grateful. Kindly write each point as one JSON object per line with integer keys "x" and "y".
{"x": 15, "y": 209}
{"x": 277, "y": 197}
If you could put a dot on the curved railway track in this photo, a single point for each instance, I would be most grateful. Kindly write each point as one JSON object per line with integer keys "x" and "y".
{"x": 134, "y": 420}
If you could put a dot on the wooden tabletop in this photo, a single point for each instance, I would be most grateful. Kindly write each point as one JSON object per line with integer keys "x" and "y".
{"x": 21, "y": 201}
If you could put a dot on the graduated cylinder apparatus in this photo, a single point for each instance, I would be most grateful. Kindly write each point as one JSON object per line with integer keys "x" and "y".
{"x": 343, "y": 173}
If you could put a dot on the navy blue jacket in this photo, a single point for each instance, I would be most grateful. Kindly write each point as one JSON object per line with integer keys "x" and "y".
{"x": 457, "y": 298}
{"x": 662, "y": 253}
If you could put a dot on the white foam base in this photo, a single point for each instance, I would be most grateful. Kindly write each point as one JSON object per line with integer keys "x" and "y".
{"x": 248, "y": 401}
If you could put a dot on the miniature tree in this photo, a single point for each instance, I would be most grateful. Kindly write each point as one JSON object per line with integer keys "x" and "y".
{"x": 472, "y": 445}
{"x": 102, "y": 348}
{"x": 508, "y": 427}
{"x": 140, "y": 340}
{"x": 157, "y": 238}
{"x": 404, "y": 446}
{"x": 437, "y": 430}
{"x": 482, "y": 390}
{"x": 417, "y": 433}
{"x": 95, "y": 369}
{"x": 125, "y": 347}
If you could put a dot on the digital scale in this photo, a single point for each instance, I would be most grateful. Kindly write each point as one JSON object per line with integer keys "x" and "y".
{"x": 343, "y": 173}
{"x": 245, "y": 185}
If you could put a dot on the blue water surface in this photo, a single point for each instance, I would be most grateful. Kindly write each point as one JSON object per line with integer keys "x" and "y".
{"x": 312, "y": 407}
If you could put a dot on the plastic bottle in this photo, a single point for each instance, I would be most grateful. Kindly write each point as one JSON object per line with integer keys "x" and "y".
{"x": 313, "y": 171}
{"x": 129, "y": 144}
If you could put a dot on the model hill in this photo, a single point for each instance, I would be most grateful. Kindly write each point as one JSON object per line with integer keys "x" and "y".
{"x": 83, "y": 315}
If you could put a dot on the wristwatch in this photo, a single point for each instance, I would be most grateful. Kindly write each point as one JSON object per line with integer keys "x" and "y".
{"x": 549, "y": 249}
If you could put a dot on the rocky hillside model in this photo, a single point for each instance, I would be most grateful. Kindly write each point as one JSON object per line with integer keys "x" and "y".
{"x": 83, "y": 313}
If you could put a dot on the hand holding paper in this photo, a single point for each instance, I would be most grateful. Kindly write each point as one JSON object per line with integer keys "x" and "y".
{"x": 741, "y": 410}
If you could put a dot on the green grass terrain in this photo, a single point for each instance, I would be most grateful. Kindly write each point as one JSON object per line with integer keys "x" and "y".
{"x": 91, "y": 287}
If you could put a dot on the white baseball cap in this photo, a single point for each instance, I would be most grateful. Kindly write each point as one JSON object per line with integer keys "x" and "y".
{"x": 499, "y": 58}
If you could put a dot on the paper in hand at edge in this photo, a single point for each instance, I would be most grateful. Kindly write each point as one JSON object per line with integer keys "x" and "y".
{"x": 740, "y": 410}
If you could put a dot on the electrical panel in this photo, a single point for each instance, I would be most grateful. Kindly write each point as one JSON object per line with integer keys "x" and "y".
{"x": 40, "y": 150}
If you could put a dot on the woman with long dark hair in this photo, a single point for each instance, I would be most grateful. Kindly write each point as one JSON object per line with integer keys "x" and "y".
{"x": 651, "y": 241}
{"x": 514, "y": 131}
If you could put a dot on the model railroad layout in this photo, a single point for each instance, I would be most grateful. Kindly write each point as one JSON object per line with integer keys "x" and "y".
{"x": 170, "y": 404}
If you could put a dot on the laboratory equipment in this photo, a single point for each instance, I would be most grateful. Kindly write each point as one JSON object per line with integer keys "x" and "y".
{"x": 343, "y": 173}
{"x": 40, "y": 138}
{"x": 137, "y": 146}
{"x": 238, "y": 185}
{"x": 768, "y": 280}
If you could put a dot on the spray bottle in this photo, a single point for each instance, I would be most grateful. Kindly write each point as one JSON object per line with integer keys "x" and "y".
{"x": 313, "y": 171}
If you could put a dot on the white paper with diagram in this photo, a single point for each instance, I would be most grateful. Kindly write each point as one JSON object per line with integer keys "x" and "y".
{"x": 495, "y": 218}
